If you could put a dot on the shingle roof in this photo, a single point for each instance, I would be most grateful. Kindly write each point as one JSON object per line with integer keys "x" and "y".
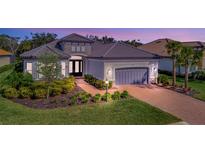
{"x": 48, "y": 48}
{"x": 118, "y": 50}
{"x": 99, "y": 50}
{"x": 76, "y": 38}
{"x": 194, "y": 44}
{"x": 4, "y": 53}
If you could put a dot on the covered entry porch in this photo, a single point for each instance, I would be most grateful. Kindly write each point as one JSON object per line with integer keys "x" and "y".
{"x": 76, "y": 66}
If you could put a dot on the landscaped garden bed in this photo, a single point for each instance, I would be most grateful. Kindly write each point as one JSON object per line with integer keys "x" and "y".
{"x": 196, "y": 85}
{"x": 99, "y": 84}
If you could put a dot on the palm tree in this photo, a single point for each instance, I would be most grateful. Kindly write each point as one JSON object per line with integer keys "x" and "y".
{"x": 188, "y": 57}
{"x": 173, "y": 49}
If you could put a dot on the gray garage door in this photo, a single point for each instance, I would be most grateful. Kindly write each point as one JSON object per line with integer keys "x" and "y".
{"x": 131, "y": 76}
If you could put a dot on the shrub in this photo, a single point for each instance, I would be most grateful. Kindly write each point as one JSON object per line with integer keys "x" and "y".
{"x": 10, "y": 93}
{"x": 39, "y": 84}
{"x": 25, "y": 92}
{"x": 96, "y": 98}
{"x": 116, "y": 95}
{"x": 3, "y": 88}
{"x": 17, "y": 80}
{"x": 199, "y": 75}
{"x": 100, "y": 84}
{"x": 84, "y": 99}
{"x": 124, "y": 94}
{"x": 106, "y": 97}
{"x": 6, "y": 67}
{"x": 74, "y": 100}
{"x": 163, "y": 79}
{"x": 39, "y": 93}
{"x": 54, "y": 91}
{"x": 110, "y": 84}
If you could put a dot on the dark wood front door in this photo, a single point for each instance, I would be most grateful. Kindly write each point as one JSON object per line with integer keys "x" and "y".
{"x": 76, "y": 67}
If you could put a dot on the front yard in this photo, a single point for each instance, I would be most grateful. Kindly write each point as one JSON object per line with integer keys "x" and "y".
{"x": 129, "y": 111}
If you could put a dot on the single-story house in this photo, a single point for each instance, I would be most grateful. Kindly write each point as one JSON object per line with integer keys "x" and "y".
{"x": 5, "y": 57}
{"x": 165, "y": 63}
{"x": 117, "y": 61}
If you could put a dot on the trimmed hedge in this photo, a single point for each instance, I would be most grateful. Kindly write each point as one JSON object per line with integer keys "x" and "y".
{"x": 10, "y": 93}
{"x": 25, "y": 92}
{"x": 99, "y": 84}
{"x": 96, "y": 98}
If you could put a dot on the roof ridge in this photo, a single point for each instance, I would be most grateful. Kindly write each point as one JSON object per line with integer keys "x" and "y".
{"x": 56, "y": 51}
{"x": 110, "y": 49}
{"x": 134, "y": 47}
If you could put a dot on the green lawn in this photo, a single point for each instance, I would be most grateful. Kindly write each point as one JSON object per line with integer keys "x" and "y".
{"x": 197, "y": 85}
{"x": 130, "y": 111}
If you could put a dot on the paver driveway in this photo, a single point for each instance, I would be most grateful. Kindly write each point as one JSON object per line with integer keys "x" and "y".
{"x": 185, "y": 107}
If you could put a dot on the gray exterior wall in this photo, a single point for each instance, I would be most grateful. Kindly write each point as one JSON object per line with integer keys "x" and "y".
{"x": 165, "y": 64}
{"x": 94, "y": 67}
{"x": 105, "y": 69}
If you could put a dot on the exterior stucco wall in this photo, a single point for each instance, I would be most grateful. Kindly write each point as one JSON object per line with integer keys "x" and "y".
{"x": 34, "y": 62}
{"x": 4, "y": 60}
{"x": 111, "y": 66}
{"x": 165, "y": 64}
{"x": 94, "y": 67}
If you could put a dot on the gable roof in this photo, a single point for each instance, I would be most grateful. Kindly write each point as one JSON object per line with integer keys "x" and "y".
{"x": 4, "y": 53}
{"x": 47, "y": 48}
{"x": 118, "y": 50}
{"x": 159, "y": 46}
{"x": 76, "y": 38}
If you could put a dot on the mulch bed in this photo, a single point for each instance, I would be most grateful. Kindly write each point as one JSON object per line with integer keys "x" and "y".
{"x": 179, "y": 90}
{"x": 54, "y": 102}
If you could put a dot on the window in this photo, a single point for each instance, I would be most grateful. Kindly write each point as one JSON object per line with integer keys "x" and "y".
{"x": 29, "y": 67}
{"x": 70, "y": 67}
{"x": 83, "y": 48}
{"x": 76, "y": 66}
{"x": 63, "y": 68}
{"x": 73, "y": 48}
{"x": 78, "y": 48}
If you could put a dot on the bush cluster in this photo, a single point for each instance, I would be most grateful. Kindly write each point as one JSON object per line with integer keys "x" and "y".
{"x": 84, "y": 97}
{"x": 99, "y": 84}
{"x": 198, "y": 75}
{"x": 163, "y": 79}
{"x": 80, "y": 98}
{"x": 24, "y": 87}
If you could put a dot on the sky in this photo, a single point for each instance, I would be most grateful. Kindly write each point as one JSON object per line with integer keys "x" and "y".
{"x": 143, "y": 34}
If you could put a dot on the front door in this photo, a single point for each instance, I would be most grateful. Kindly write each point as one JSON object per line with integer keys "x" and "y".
{"x": 76, "y": 67}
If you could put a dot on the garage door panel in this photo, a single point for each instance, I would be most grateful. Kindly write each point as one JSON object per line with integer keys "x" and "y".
{"x": 131, "y": 76}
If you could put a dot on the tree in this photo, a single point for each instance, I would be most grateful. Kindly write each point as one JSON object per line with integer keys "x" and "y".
{"x": 49, "y": 68}
{"x": 37, "y": 39}
{"x": 173, "y": 49}
{"x": 9, "y": 43}
{"x": 188, "y": 57}
{"x": 133, "y": 42}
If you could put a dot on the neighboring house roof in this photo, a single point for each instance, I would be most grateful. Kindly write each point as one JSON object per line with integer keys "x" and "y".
{"x": 4, "y": 53}
{"x": 194, "y": 44}
{"x": 76, "y": 38}
{"x": 159, "y": 46}
{"x": 118, "y": 50}
{"x": 47, "y": 48}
